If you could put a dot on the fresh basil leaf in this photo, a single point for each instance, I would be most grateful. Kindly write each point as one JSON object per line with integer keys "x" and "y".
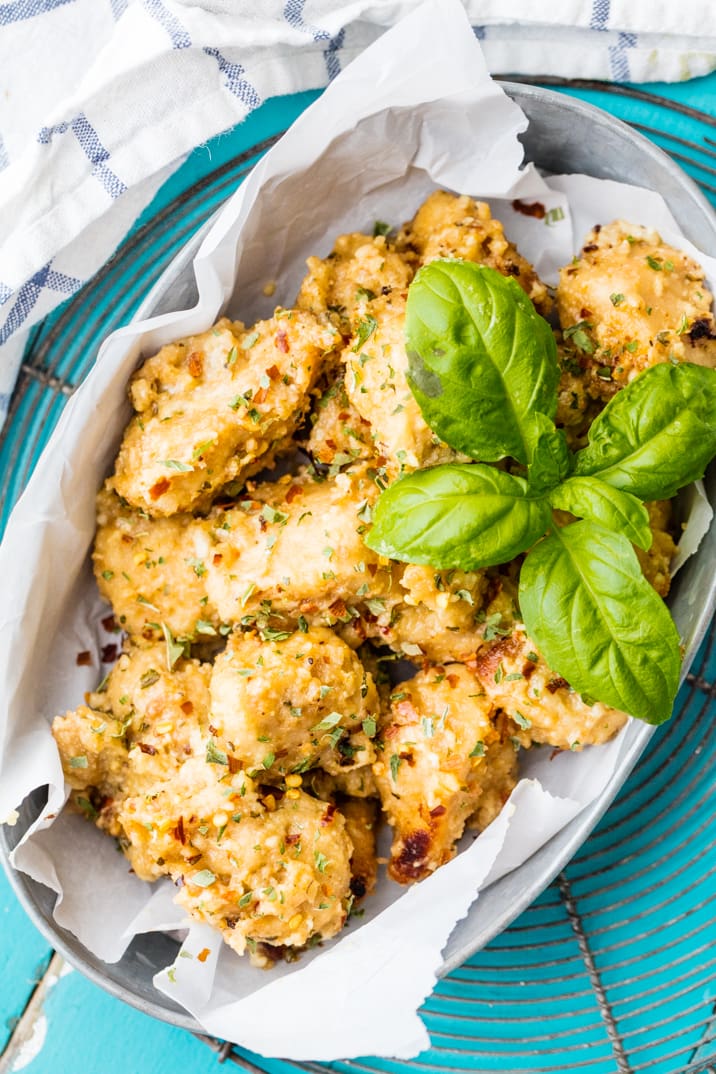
{"x": 465, "y": 516}
{"x": 481, "y": 359}
{"x": 548, "y": 454}
{"x": 588, "y": 497}
{"x": 657, "y": 434}
{"x": 598, "y": 622}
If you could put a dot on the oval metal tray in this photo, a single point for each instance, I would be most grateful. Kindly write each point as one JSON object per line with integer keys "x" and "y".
{"x": 564, "y": 135}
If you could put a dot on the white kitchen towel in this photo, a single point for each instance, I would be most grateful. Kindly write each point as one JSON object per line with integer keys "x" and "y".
{"x": 101, "y": 99}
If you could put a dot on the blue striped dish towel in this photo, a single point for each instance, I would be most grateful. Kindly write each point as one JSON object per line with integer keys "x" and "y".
{"x": 102, "y": 99}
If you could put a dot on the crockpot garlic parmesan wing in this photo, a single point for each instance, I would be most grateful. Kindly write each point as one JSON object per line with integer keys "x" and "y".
{"x": 435, "y": 615}
{"x": 439, "y": 739}
{"x": 294, "y": 702}
{"x": 515, "y": 677}
{"x": 293, "y": 549}
{"x": 456, "y": 226}
{"x": 153, "y": 570}
{"x": 376, "y": 363}
{"x": 358, "y": 269}
{"x": 217, "y": 407}
{"x": 134, "y": 733}
{"x": 630, "y": 301}
{"x": 339, "y": 434}
{"x": 261, "y": 870}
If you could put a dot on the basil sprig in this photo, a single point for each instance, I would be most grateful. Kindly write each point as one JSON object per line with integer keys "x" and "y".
{"x": 484, "y": 372}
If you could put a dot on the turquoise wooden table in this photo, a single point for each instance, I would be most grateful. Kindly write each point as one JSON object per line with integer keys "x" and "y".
{"x": 612, "y": 969}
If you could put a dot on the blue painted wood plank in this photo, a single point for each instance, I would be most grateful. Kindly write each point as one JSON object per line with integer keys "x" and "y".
{"x": 24, "y": 955}
{"x": 82, "y": 1030}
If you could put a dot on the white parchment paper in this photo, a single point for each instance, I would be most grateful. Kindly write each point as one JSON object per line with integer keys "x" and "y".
{"x": 416, "y": 111}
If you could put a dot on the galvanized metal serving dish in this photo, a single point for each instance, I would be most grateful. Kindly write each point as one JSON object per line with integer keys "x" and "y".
{"x": 564, "y": 135}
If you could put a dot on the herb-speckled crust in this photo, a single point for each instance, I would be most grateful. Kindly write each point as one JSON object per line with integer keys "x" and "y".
{"x": 630, "y": 301}
{"x": 258, "y": 869}
{"x": 293, "y": 703}
{"x": 217, "y": 407}
{"x": 339, "y": 433}
{"x": 456, "y": 226}
{"x": 152, "y": 570}
{"x": 432, "y": 614}
{"x": 516, "y": 678}
{"x": 297, "y": 545}
{"x": 377, "y": 388}
{"x": 358, "y": 269}
{"x": 439, "y": 737}
{"x": 137, "y": 731}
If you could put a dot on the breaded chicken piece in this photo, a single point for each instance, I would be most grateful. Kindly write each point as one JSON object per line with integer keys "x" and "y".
{"x": 431, "y": 614}
{"x": 439, "y": 735}
{"x": 630, "y": 301}
{"x": 217, "y": 407}
{"x": 376, "y": 364}
{"x": 135, "y": 732}
{"x": 152, "y": 571}
{"x": 93, "y": 752}
{"x": 292, "y": 703}
{"x": 456, "y": 226}
{"x": 515, "y": 677}
{"x": 438, "y": 616}
{"x": 293, "y": 548}
{"x": 358, "y": 269}
{"x": 256, "y": 869}
{"x": 362, "y": 816}
{"x": 656, "y": 562}
{"x": 339, "y": 434}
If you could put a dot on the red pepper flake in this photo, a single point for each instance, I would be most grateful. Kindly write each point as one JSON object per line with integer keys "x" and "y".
{"x": 282, "y": 341}
{"x": 331, "y": 444}
{"x": 212, "y": 729}
{"x": 126, "y": 539}
{"x": 194, "y": 860}
{"x": 293, "y": 838}
{"x": 260, "y": 397}
{"x": 293, "y": 492}
{"x": 84, "y": 659}
{"x": 160, "y": 487}
{"x": 203, "y": 954}
{"x": 328, "y": 815}
{"x": 438, "y": 811}
{"x": 187, "y": 707}
{"x": 217, "y": 558}
{"x": 109, "y": 653}
{"x": 273, "y": 372}
{"x": 195, "y": 361}
{"x": 556, "y": 684}
{"x": 234, "y": 764}
{"x": 179, "y": 833}
{"x": 535, "y": 208}
{"x": 372, "y": 569}
{"x": 453, "y": 680}
{"x": 110, "y": 624}
{"x": 146, "y": 748}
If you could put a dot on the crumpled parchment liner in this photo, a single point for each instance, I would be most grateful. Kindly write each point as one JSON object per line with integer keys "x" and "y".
{"x": 416, "y": 111}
